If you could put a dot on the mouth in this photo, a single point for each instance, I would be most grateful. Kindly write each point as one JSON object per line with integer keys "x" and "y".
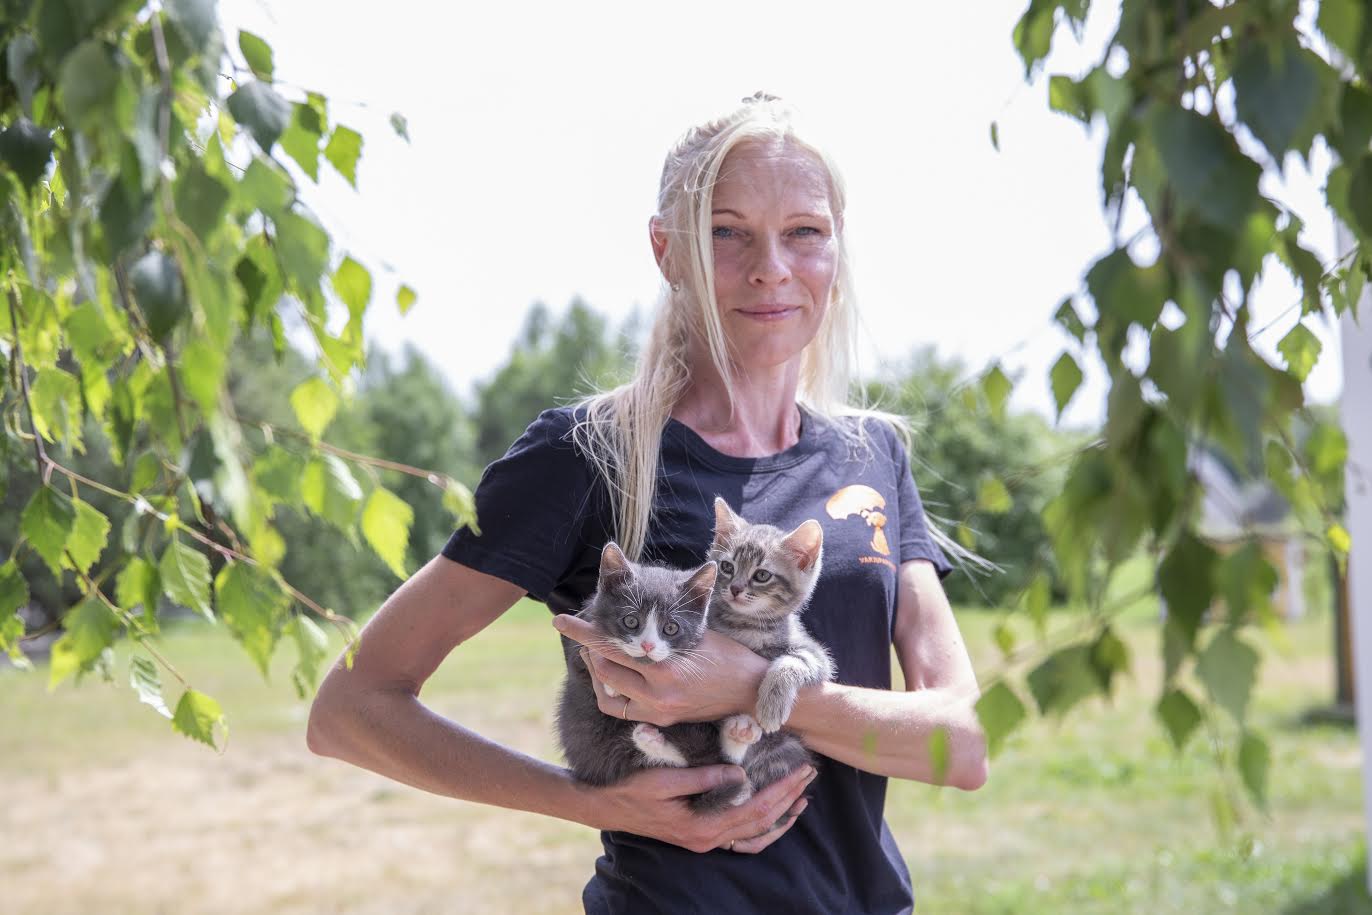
{"x": 768, "y": 313}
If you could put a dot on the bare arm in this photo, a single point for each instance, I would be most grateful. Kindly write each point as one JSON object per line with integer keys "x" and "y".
{"x": 888, "y": 732}
{"x": 371, "y": 716}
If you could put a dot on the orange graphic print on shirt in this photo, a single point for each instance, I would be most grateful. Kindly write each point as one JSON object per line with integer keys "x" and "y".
{"x": 866, "y": 502}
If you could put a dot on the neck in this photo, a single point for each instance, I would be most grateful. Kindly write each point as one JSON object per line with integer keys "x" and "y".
{"x": 764, "y": 418}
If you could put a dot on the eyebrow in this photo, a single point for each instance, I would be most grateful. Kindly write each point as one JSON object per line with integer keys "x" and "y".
{"x": 800, "y": 215}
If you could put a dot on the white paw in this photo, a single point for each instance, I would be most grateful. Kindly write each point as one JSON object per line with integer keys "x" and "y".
{"x": 742, "y": 729}
{"x": 655, "y": 747}
{"x": 773, "y": 708}
{"x": 609, "y": 690}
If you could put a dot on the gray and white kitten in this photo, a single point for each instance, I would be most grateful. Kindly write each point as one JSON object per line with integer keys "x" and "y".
{"x": 766, "y": 577}
{"x": 657, "y": 616}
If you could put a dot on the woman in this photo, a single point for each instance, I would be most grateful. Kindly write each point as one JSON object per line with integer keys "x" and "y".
{"x": 741, "y": 392}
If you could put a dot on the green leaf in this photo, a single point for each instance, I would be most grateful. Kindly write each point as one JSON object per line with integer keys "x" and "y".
{"x": 1109, "y": 656}
{"x": 301, "y": 139}
{"x": 90, "y": 628}
{"x": 330, "y": 491}
{"x": 161, "y": 293}
{"x": 11, "y": 635}
{"x": 1254, "y": 761}
{"x": 458, "y": 500}
{"x": 195, "y": 20}
{"x": 343, "y": 151}
{"x": 405, "y": 298}
{"x": 1342, "y": 22}
{"x": 315, "y": 405}
{"x": 304, "y": 249}
{"x": 265, "y": 187}
{"x": 1246, "y": 580}
{"x": 1186, "y": 578}
{"x": 262, "y": 111}
{"x": 138, "y": 583}
{"x": 1063, "y": 680}
{"x": 146, "y": 681}
{"x": 1000, "y": 712}
{"x": 1067, "y": 317}
{"x": 202, "y": 372}
{"x": 312, "y": 645}
{"x": 253, "y": 606}
{"x": 88, "y": 81}
{"x": 400, "y": 126}
{"x": 1326, "y": 450}
{"x": 1228, "y": 668}
{"x": 1355, "y": 121}
{"x": 24, "y": 70}
{"x": 940, "y": 749}
{"x": 259, "y": 275}
{"x": 278, "y": 473}
{"x": 14, "y": 595}
{"x": 1066, "y": 378}
{"x": 25, "y": 148}
{"x": 1301, "y": 350}
{"x": 1036, "y": 601}
{"x": 56, "y": 401}
{"x": 46, "y": 524}
{"x": 995, "y": 136}
{"x": 200, "y": 201}
{"x": 1360, "y": 197}
{"x": 1005, "y": 638}
{"x": 257, "y": 53}
{"x": 1065, "y": 96}
{"x": 1204, "y": 164}
{"x": 1338, "y": 538}
{"x": 197, "y": 715}
{"x": 185, "y": 574}
{"x": 1180, "y": 716}
{"x": 993, "y": 497}
{"x": 1276, "y": 95}
{"x": 353, "y": 284}
{"x": 89, "y": 534}
{"x": 997, "y": 388}
{"x": 386, "y": 521}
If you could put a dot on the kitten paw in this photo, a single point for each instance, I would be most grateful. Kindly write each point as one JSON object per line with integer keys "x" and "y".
{"x": 655, "y": 747}
{"x": 773, "y": 708}
{"x": 736, "y": 735}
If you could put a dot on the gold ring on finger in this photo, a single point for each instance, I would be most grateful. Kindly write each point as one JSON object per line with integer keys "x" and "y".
{"x": 624, "y": 712}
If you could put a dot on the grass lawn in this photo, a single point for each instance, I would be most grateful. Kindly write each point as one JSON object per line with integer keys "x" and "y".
{"x": 106, "y": 810}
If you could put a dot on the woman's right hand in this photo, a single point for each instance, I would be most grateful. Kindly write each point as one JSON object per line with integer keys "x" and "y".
{"x": 652, "y": 802}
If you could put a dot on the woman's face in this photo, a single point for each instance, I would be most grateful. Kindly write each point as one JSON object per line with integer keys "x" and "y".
{"x": 775, "y": 251}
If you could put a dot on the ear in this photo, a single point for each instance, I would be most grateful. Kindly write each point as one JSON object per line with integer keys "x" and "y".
{"x": 726, "y": 522}
{"x": 700, "y": 586}
{"x": 658, "y": 238}
{"x": 614, "y": 567}
{"x": 805, "y": 543}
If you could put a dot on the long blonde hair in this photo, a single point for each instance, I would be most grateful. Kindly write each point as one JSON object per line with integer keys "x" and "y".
{"x": 620, "y": 430}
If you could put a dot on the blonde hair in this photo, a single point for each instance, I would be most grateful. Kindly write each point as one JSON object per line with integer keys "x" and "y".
{"x": 620, "y": 430}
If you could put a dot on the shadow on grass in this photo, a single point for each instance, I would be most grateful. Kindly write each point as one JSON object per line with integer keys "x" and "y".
{"x": 1347, "y": 896}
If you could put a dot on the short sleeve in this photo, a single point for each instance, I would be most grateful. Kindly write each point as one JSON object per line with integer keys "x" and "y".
{"x": 532, "y": 507}
{"x": 916, "y": 542}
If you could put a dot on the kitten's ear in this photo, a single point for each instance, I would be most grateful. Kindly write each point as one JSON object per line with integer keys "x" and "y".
{"x": 805, "y": 544}
{"x": 614, "y": 567}
{"x": 700, "y": 586}
{"x": 726, "y": 522}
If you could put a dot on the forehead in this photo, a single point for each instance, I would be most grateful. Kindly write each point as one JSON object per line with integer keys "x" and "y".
{"x": 772, "y": 173}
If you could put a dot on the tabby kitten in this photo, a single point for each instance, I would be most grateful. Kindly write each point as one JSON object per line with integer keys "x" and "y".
{"x": 766, "y": 577}
{"x": 656, "y": 615}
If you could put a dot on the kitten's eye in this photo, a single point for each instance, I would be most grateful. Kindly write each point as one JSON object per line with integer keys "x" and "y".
{"x": 630, "y": 621}
{"x": 761, "y": 575}
{"x": 726, "y": 567}
{"x": 671, "y": 629}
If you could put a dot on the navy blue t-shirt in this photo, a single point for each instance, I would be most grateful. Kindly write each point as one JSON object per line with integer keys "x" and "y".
{"x": 544, "y": 517}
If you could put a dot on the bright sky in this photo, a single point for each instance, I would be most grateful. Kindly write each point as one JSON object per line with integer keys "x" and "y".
{"x": 539, "y": 131}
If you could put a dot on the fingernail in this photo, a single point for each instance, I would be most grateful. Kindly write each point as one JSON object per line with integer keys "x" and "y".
{"x": 811, "y": 777}
{"x": 558, "y": 623}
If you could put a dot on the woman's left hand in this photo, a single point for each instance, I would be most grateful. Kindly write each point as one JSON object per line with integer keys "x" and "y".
{"x": 716, "y": 679}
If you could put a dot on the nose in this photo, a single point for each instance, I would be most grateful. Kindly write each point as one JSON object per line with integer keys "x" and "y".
{"x": 736, "y": 590}
{"x": 769, "y": 266}
{"x": 647, "y": 646}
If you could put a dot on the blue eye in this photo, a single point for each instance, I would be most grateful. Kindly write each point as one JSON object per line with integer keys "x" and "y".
{"x": 807, "y": 230}
{"x": 723, "y": 232}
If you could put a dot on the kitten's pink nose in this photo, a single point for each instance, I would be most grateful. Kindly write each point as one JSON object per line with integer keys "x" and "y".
{"x": 736, "y": 590}
{"x": 647, "y": 646}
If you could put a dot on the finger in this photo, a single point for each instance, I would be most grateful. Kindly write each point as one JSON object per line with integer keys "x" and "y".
{"x": 619, "y": 678}
{"x": 758, "y": 843}
{"x": 676, "y": 783}
{"x": 762, "y": 809}
{"x": 578, "y": 630}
